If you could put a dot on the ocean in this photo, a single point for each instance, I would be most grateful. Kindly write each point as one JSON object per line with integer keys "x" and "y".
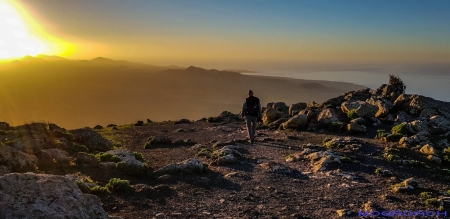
{"x": 436, "y": 86}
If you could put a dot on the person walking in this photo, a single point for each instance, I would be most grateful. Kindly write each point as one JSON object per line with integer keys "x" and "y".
{"x": 251, "y": 110}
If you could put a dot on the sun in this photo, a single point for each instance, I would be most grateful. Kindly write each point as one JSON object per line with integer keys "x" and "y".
{"x": 20, "y": 35}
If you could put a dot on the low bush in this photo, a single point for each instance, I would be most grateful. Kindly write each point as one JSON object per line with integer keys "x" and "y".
{"x": 104, "y": 157}
{"x": 352, "y": 114}
{"x": 119, "y": 185}
{"x": 426, "y": 195}
{"x": 139, "y": 156}
{"x": 432, "y": 202}
{"x": 133, "y": 170}
{"x": 99, "y": 190}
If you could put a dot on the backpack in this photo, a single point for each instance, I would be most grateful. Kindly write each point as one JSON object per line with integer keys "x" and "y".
{"x": 252, "y": 106}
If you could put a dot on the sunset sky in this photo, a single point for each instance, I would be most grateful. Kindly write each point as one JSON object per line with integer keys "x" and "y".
{"x": 231, "y": 33}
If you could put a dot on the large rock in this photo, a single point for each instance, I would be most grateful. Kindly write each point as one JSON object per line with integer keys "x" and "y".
{"x": 326, "y": 117}
{"x": 85, "y": 158}
{"x": 438, "y": 125}
{"x": 92, "y": 140}
{"x": 127, "y": 157}
{"x": 356, "y": 128}
{"x": 420, "y": 126}
{"x": 53, "y": 157}
{"x": 30, "y": 196}
{"x": 17, "y": 161}
{"x": 295, "y": 108}
{"x": 423, "y": 106}
{"x": 350, "y": 105}
{"x": 29, "y": 146}
{"x": 383, "y": 105}
{"x": 362, "y": 109}
{"x": 226, "y": 155}
{"x": 322, "y": 159}
{"x": 296, "y": 122}
{"x": 428, "y": 150}
{"x": 187, "y": 166}
{"x": 4, "y": 170}
{"x": 388, "y": 91}
{"x": 358, "y": 95}
{"x": 366, "y": 110}
{"x": 270, "y": 115}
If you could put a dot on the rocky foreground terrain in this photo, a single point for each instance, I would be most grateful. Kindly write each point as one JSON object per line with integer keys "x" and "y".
{"x": 370, "y": 152}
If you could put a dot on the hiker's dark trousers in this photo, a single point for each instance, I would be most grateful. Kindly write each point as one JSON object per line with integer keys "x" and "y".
{"x": 251, "y": 126}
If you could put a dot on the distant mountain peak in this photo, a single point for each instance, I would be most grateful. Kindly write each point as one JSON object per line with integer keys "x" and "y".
{"x": 193, "y": 68}
{"x": 102, "y": 59}
{"x": 50, "y": 57}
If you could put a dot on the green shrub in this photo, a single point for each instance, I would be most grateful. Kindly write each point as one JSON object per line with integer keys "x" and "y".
{"x": 396, "y": 81}
{"x": 325, "y": 140}
{"x": 446, "y": 155}
{"x": 204, "y": 152}
{"x": 148, "y": 145}
{"x": 99, "y": 190}
{"x": 426, "y": 195}
{"x": 139, "y": 156}
{"x": 432, "y": 202}
{"x": 352, "y": 114}
{"x": 118, "y": 185}
{"x": 133, "y": 170}
{"x": 381, "y": 133}
{"x": 104, "y": 157}
{"x": 394, "y": 137}
{"x": 400, "y": 129}
{"x": 392, "y": 157}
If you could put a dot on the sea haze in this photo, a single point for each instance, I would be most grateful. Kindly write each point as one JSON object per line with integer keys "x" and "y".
{"x": 434, "y": 84}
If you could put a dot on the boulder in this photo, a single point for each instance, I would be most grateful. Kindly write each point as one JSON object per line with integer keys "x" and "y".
{"x": 296, "y": 122}
{"x": 92, "y": 140}
{"x": 356, "y": 128}
{"x": 420, "y": 126}
{"x": 310, "y": 113}
{"x": 4, "y": 170}
{"x": 29, "y": 146}
{"x": 343, "y": 142}
{"x": 295, "y": 108}
{"x": 17, "y": 161}
{"x": 388, "y": 91}
{"x": 366, "y": 110}
{"x": 326, "y": 117}
{"x": 428, "y": 150}
{"x": 127, "y": 157}
{"x": 52, "y": 157}
{"x": 270, "y": 115}
{"x": 322, "y": 159}
{"x": 359, "y": 121}
{"x": 4, "y": 126}
{"x": 31, "y": 195}
{"x": 85, "y": 158}
{"x": 402, "y": 117}
{"x": 438, "y": 125}
{"x": 226, "y": 114}
{"x": 278, "y": 122}
{"x": 350, "y": 105}
{"x": 358, "y": 95}
{"x": 434, "y": 159}
{"x": 186, "y": 166}
{"x": 383, "y": 105}
{"x": 226, "y": 155}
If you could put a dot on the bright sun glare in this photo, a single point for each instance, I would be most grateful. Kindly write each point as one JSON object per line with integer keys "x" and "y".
{"x": 20, "y": 35}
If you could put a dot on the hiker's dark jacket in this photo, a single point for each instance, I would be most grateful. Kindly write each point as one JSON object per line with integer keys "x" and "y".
{"x": 249, "y": 102}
